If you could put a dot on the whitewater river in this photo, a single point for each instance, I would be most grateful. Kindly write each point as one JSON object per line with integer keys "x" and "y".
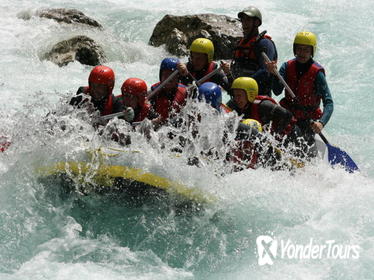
{"x": 47, "y": 236}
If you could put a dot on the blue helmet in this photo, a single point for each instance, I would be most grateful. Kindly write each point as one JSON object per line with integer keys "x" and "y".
{"x": 212, "y": 94}
{"x": 169, "y": 63}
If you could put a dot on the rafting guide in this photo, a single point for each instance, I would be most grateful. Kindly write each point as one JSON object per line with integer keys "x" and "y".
{"x": 267, "y": 250}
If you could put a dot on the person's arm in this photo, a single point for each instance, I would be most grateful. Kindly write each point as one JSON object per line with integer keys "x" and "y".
{"x": 273, "y": 112}
{"x": 185, "y": 76}
{"x": 267, "y": 46}
{"x": 221, "y": 79}
{"x": 324, "y": 91}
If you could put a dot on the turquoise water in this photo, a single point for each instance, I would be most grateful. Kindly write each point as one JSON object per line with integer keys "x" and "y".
{"x": 44, "y": 235}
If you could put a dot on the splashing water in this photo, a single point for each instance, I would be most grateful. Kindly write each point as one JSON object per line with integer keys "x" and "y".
{"x": 45, "y": 234}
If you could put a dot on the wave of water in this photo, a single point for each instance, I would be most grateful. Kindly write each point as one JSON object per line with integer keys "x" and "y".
{"x": 46, "y": 236}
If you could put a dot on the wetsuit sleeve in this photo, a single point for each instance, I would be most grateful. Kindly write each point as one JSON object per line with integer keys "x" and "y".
{"x": 273, "y": 112}
{"x": 277, "y": 86}
{"x": 221, "y": 79}
{"x": 324, "y": 91}
{"x": 261, "y": 75}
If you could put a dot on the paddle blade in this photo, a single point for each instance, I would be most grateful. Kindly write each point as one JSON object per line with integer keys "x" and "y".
{"x": 338, "y": 156}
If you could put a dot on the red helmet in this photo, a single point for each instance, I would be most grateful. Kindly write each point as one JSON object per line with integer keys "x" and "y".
{"x": 136, "y": 87}
{"x": 102, "y": 75}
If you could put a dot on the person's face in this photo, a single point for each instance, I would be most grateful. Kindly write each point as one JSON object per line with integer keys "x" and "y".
{"x": 248, "y": 24}
{"x": 240, "y": 98}
{"x": 130, "y": 100}
{"x": 303, "y": 53}
{"x": 198, "y": 60}
{"x": 173, "y": 83}
{"x": 98, "y": 92}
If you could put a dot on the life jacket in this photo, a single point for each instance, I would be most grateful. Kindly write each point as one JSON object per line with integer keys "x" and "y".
{"x": 247, "y": 54}
{"x": 164, "y": 105}
{"x": 211, "y": 67}
{"x": 307, "y": 102}
{"x": 108, "y": 107}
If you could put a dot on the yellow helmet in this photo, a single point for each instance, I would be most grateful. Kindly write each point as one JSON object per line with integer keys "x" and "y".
{"x": 249, "y": 85}
{"x": 306, "y": 38}
{"x": 252, "y": 123}
{"x": 203, "y": 45}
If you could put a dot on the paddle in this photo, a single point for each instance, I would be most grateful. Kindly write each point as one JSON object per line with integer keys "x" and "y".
{"x": 160, "y": 86}
{"x": 338, "y": 156}
{"x": 267, "y": 59}
{"x": 191, "y": 90}
{"x": 335, "y": 154}
{"x": 206, "y": 77}
{"x": 111, "y": 116}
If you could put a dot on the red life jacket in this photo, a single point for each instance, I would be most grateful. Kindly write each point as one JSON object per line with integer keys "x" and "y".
{"x": 247, "y": 48}
{"x": 163, "y": 105}
{"x": 108, "y": 107}
{"x": 211, "y": 67}
{"x": 306, "y": 105}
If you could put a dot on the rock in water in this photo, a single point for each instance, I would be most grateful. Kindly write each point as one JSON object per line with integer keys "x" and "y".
{"x": 80, "y": 48}
{"x": 69, "y": 16}
{"x": 178, "y": 32}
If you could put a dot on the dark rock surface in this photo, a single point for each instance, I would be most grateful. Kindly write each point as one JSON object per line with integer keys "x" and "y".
{"x": 80, "y": 48}
{"x": 178, "y": 32}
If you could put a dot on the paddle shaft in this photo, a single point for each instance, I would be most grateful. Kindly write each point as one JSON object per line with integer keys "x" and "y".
{"x": 111, "y": 116}
{"x": 267, "y": 59}
{"x": 206, "y": 77}
{"x": 160, "y": 86}
{"x": 323, "y": 138}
